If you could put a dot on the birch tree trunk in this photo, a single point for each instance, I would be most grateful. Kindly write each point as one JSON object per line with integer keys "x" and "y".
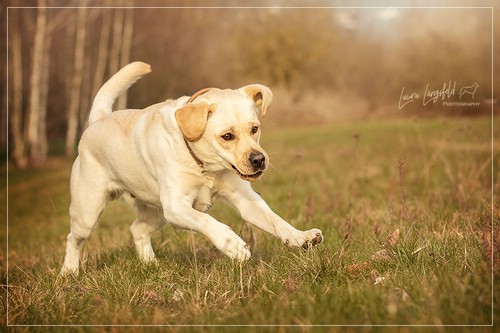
{"x": 125, "y": 56}
{"x": 114, "y": 61}
{"x": 68, "y": 68}
{"x": 85, "y": 94}
{"x": 16, "y": 116}
{"x": 34, "y": 117}
{"x": 43, "y": 145}
{"x": 102, "y": 52}
{"x": 76, "y": 84}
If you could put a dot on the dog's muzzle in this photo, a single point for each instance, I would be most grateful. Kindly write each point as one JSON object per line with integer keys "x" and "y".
{"x": 257, "y": 161}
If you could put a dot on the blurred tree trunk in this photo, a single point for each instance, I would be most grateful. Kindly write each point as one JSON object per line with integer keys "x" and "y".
{"x": 85, "y": 94}
{"x": 43, "y": 143}
{"x": 102, "y": 52}
{"x": 125, "y": 55}
{"x": 35, "y": 114}
{"x": 3, "y": 99}
{"x": 16, "y": 115}
{"x": 76, "y": 83}
{"x": 114, "y": 61}
{"x": 68, "y": 68}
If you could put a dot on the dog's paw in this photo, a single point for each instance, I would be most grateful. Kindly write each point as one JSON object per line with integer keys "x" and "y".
{"x": 68, "y": 271}
{"x": 313, "y": 238}
{"x": 232, "y": 246}
{"x": 237, "y": 250}
{"x": 306, "y": 239}
{"x": 242, "y": 254}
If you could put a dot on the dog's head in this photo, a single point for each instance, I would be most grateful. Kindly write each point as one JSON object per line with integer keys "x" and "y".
{"x": 223, "y": 129}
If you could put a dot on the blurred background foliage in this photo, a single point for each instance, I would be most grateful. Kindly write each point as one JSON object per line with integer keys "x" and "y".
{"x": 323, "y": 64}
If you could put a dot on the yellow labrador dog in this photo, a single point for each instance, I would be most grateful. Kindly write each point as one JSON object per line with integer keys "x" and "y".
{"x": 172, "y": 160}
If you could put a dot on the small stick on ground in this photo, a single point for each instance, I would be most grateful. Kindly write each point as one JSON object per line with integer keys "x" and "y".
{"x": 401, "y": 164}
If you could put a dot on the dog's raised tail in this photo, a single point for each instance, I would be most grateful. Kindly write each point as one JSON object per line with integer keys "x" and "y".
{"x": 114, "y": 87}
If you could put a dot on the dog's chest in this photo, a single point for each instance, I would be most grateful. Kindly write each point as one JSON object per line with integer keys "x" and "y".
{"x": 204, "y": 198}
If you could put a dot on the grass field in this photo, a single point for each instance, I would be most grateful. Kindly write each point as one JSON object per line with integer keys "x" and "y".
{"x": 358, "y": 182}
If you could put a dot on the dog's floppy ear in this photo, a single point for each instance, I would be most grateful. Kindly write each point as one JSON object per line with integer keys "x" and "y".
{"x": 260, "y": 94}
{"x": 192, "y": 119}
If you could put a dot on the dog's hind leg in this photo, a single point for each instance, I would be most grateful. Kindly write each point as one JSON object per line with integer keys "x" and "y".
{"x": 149, "y": 219}
{"x": 89, "y": 197}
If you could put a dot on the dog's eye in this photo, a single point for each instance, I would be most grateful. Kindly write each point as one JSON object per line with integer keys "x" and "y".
{"x": 228, "y": 136}
{"x": 255, "y": 129}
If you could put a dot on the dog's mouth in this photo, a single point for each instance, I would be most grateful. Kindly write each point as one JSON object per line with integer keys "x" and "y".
{"x": 251, "y": 177}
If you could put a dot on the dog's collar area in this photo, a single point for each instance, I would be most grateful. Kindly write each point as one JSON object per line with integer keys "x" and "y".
{"x": 191, "y": 99}
{"x": 198, "y": 93}
{"x": 193, "y": 155}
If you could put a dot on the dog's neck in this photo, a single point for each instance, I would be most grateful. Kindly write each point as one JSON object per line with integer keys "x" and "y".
{"x": 193, "y": 155}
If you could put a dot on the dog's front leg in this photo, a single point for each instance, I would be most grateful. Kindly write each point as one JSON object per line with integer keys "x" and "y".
{"x": 182, "y": 215}
{"x": 255, "y": 210}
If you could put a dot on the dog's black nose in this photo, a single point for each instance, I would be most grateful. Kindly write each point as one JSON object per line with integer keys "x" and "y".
{"x": 257, "y": 160}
